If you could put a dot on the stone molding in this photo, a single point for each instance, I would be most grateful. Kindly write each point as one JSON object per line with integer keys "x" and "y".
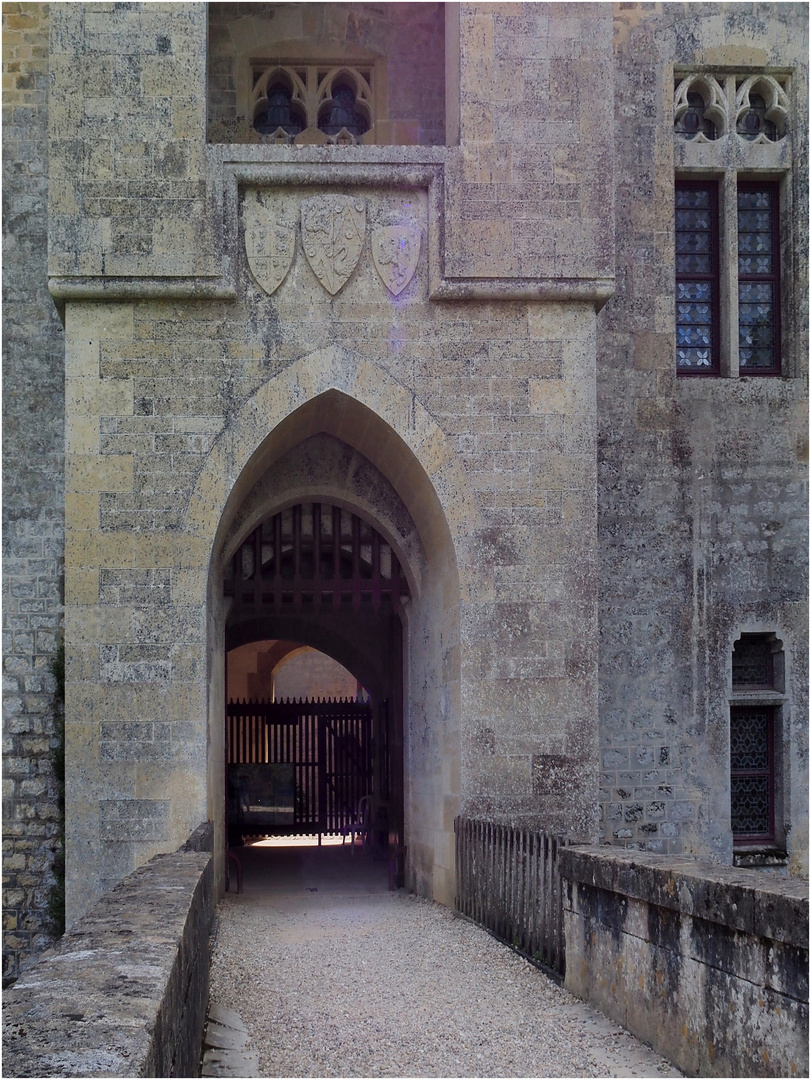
{"x": 381, "y": 167}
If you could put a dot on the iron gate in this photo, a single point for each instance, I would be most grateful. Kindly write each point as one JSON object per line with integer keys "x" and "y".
{"x": 297, "y": 767}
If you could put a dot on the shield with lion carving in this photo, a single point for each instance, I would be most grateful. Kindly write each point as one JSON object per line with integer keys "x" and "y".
{"x": 332, "y": 232}
{"x": 395, "y": 250}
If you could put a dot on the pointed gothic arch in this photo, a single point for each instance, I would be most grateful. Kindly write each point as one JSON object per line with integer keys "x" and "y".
{"x": 394, "y": 467}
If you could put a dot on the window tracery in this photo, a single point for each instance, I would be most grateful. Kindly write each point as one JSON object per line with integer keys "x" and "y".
{"x": 313, "y": 103}
{"x": 706, "y": 108}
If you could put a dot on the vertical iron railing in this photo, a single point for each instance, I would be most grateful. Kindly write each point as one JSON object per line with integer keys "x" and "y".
{"x": 508, "y": 881}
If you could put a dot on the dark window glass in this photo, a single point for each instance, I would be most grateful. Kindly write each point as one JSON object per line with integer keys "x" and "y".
{"x": 753, "y": 122}
{"x": 751, "y": 738}
{"x": 758, "y": 279}
{"x": 697, "y": 292}
{"x": 342, "y": 113}
{"x": 753, "y": 661}
{"x": 280, "y": 113}
{"x": 693, "y": 121}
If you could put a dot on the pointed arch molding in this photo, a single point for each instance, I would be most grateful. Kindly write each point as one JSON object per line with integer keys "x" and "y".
{"x": 364, "y": 407}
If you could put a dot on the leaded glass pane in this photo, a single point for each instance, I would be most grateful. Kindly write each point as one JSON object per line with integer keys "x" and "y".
{"x": 695, "y": 259}
{"x": 749, "y": 740}
{"x": 757, "y": 301}
{"x": 693, "y": 290}
{"x": 694, "y": 358}
{"x": 760, "y": 264}
{"x": 754, "y": 200}
{"x": 756, "y": 315}
{"x": 750, "y": 806}
{"x": 693, "y": 264}
{"x": 686, "y": 197}
{"x": 749, "y": 243}
{"x": 754, "y": 292}
{"x": 692, "y": 241}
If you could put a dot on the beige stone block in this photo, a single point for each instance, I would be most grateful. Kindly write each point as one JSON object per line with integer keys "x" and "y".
{"x": 86, "y": 472}
{"x": 98, "y": 397}
{"x": 487, "y": 164}
{"x": 477, "y": 122}
{"x": 562, "y": 322}
{"x": 553, "y": 396}
{"x": 189, "y": 586}
{"x": 82, "y": 435}
{"x": 99, "y": 321}
{"x": 115, "y": 549}
{"x": 81, "y": 511}
{"x": 81, "y": 586}
{"x": 81, "y": 355}
{"x": 161, "y": 549}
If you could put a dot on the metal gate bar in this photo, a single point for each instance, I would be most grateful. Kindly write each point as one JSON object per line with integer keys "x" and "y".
{"x": 329, "y": 744}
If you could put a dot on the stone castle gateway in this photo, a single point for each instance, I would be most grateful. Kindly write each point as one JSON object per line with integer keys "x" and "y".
{"x": 521, "y": 289}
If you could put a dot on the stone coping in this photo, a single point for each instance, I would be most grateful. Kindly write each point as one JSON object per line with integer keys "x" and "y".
{"x": 750, "y": 901}
{"x": 108, "y": 998}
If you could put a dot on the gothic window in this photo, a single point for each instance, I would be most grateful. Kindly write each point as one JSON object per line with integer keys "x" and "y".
{"x": 753, "y": 257}
{"x": 313, "y": 103}
{"x": 694, "y": 120}
{"x": 757, "y": 682}
{"x": 753, "y": 662}
{"x": 754, "y": 121}
{"x": 732, "y": 219}
{"x": 280, "y": 113}
{"x": 751, "y": 748}
{"x": 340, "y": 113}
{"x": 758, "y": 278}
{"x": 697, "y": 285}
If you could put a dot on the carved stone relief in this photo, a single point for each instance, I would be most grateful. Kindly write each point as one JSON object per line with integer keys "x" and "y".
{"x": 269, "y": 245}
{"x": 332, "y": 233}
{"x": 395, "y": 251}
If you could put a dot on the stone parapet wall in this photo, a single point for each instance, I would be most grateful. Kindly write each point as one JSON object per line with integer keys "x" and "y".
{"x": 125, "y": 991}
{"x": 707, "y": 964}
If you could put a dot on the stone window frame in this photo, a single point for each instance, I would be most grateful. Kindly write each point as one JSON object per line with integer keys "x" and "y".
{"x": 725, "y": 160}
{"x": 758, "y": 851}
{"x": 311, "y": 83}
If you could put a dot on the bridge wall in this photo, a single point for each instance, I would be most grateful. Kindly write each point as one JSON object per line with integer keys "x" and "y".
{"x": 708, "y": 965}
{"x": 125, "y": 991}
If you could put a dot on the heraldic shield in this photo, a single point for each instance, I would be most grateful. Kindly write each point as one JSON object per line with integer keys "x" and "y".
{"x": 395, "y": 250}
{"x": 332, "y": 232}
{"x": 270, "y": 247}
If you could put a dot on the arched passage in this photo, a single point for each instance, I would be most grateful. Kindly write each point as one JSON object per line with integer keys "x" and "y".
{"x": 360, "y": 440}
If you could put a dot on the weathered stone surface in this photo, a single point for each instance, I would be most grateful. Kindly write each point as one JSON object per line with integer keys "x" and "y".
{"x": 125, "y": 991}
{"x": 707, "y": 964}
{"x": 585, "y": 534}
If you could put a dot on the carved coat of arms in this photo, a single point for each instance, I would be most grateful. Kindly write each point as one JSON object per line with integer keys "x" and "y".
{"x": 395, "y": 250}
{"x": 269, "y": 245}
{"x": 332, "y": 232}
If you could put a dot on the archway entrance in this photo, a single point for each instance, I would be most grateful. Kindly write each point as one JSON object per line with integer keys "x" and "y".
{"x": 317, "y": 574}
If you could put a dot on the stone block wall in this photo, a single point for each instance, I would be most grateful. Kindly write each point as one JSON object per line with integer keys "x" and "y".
{"x": 125, "y": 991}
{"x": 702, "y": 503}
{"x": 33, "y": 493}
{"x": 706, "y": 964}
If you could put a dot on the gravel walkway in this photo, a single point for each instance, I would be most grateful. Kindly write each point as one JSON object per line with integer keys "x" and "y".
{"x": 386, "y": 984}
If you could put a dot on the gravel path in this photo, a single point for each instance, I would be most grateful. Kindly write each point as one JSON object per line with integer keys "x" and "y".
{"x": 386, "y": 984}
